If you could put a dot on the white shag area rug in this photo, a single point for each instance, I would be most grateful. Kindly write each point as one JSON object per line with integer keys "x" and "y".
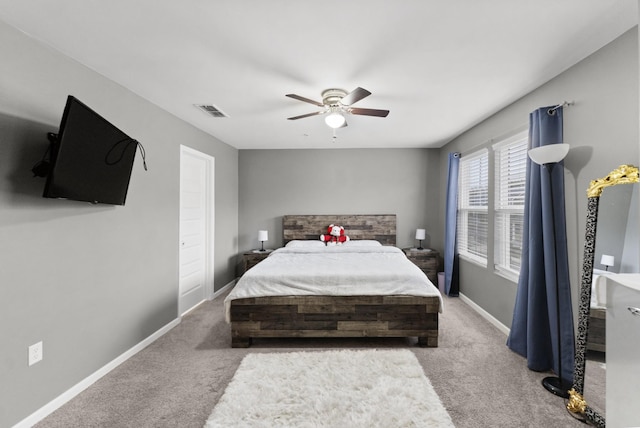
{"x": 366, "y": 388}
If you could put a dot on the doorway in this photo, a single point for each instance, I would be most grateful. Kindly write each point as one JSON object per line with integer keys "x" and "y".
{"x": 196, "y": 228}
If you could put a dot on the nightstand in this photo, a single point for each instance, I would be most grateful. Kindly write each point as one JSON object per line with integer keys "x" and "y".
{"x": 253, "y": 257}
{"x": 427, "y": 260}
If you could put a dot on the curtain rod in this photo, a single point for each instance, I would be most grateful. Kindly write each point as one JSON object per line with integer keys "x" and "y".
{"x": 552, "y": 110}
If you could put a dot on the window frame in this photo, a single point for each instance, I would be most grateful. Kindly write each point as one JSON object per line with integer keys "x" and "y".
{"x": 514, "y": 148}
{"x": 466, "y": 207}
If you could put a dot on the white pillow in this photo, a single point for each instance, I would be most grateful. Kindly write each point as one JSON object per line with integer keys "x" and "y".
{"x": 307, "y": 244}
{"x": 363, "y": 243}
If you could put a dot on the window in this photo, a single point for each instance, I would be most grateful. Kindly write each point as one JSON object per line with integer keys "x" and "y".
{"x": 510, "y": 176}
{"x": 473, "y": 203}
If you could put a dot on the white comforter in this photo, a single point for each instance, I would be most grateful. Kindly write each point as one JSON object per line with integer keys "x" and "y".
{"x": 334, "y": 271}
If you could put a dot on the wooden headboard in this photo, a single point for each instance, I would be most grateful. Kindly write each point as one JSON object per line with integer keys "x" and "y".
{"x": 381, "y": 227}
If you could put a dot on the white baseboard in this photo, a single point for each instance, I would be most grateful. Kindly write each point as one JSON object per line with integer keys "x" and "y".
{"x": 486, "y": 315}
{"x": 211, "y": 297}
{"x": 66, "y": 396}
{"x": 224, "y": 289}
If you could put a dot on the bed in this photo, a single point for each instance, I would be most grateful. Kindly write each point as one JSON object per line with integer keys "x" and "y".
{"x": 365, "y": 288}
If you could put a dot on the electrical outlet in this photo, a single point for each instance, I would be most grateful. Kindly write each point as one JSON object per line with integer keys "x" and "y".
{"x": 35, "y": 353}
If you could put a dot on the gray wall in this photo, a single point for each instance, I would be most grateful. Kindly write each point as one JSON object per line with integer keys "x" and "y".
{"x": 602, "y": 129}
{"x": 372, "y": 181}
{"x": 89, "y": 281}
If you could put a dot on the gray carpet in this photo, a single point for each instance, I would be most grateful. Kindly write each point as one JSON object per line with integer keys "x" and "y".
{"x": 176, "y": 381}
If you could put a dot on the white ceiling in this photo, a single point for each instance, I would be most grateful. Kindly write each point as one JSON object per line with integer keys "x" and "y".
{"x": 439, "y": 66}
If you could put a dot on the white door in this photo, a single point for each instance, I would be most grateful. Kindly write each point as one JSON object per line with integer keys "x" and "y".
{"x": 196, "y": 228}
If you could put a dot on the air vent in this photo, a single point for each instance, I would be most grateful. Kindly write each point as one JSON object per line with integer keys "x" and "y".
{"x": 211, "y": 110}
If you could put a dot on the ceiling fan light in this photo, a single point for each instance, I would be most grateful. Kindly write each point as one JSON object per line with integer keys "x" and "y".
{"x": 335, "y": 120}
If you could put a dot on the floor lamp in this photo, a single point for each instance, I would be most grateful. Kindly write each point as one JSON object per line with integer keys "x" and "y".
{"x": 548, "y": 156}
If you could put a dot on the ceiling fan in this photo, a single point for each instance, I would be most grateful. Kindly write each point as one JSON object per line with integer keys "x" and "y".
{"x": 337, "y": 102}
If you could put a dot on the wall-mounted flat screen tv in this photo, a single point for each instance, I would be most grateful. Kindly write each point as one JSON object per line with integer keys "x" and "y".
{"x": 90, "y": 159}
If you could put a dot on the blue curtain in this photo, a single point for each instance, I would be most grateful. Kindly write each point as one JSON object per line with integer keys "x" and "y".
{"x": 451, "y": 220}
{"x": 545, "y": 264}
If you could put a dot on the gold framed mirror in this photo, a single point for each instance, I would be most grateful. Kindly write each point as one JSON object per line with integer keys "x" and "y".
{"x": 624, "y": 174}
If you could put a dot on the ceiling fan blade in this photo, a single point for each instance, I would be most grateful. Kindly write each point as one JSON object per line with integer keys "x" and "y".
{"x": 369, "y": 112}
{"x": 306, "y": 100}
{"x": 302, "y": 116}
{"x": 354, "y": 96}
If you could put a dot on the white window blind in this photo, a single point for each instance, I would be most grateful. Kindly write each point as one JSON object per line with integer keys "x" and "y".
{"x": 473, "y": 203}
{"x": 510, "y": 178}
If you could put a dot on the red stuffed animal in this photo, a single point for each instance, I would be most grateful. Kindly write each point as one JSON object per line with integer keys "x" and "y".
{"x": 334, "y": 236}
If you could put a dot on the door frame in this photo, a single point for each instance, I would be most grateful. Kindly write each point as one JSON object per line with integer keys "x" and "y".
{"x": 209, "y": 220}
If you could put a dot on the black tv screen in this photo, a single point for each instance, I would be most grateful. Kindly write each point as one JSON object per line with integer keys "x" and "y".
{"x": 90, "y": 159}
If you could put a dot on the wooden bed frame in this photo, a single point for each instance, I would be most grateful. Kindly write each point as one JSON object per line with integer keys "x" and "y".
{"x": 336, "y": 316}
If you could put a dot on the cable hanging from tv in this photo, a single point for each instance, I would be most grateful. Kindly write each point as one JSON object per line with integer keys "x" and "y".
{"x": 43, "y": 166}
{"x": 128, "y": 141}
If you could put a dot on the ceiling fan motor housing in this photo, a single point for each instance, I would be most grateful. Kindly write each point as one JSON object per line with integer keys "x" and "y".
{"x": 332, "y": 97}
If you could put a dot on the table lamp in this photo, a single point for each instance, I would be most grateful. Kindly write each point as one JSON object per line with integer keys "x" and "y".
{"x": 607, "y": 261}
{"x": 263, "y": 235}
{"x": 420, "y": 235}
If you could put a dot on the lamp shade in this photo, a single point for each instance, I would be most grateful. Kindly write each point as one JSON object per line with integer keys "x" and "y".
{"x": 335, "y": 120}
{"x": 551, "y": 153}
{"x": 263, "y": 235}
{"x": 420, "y": 234}
{"x": 607, "y": 260}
